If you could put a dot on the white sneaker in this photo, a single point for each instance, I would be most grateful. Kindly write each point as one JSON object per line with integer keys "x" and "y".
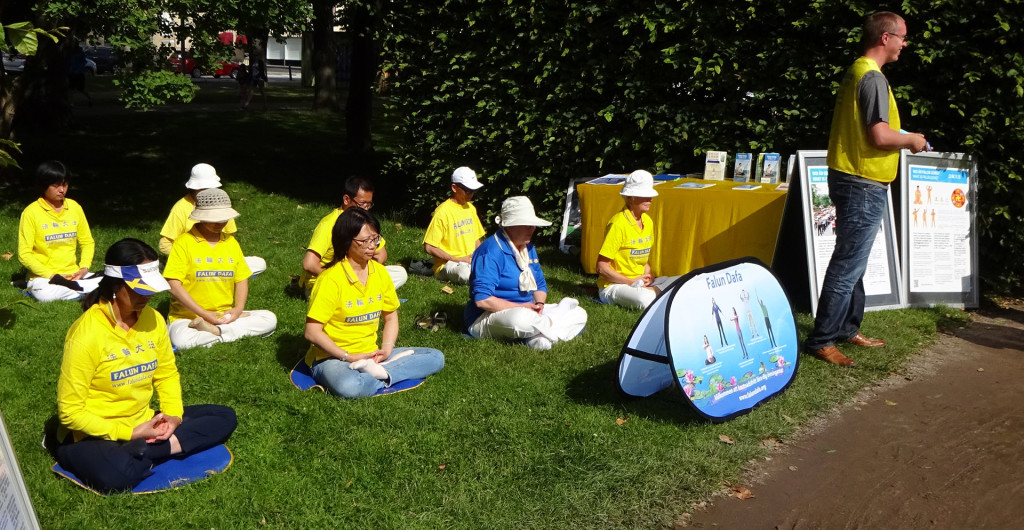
{"x": 540, "y": 342}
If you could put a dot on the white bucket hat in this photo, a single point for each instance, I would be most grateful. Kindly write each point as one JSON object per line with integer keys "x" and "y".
{"x": 144, "y": 278}
{"x": 518, "y": 211}
{"x": 213, "y": 206}
{"x": 203, "y": 177}
{"x": 466, "y": 177}
{"x": 639, "y": 183}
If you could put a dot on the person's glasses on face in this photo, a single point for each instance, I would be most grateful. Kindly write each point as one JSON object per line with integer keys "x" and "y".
{"x": 366, "y": 205}
{"x": 466, "y": 190}
{"x": 368, "y": 242}
{"x": 898, "y": 36}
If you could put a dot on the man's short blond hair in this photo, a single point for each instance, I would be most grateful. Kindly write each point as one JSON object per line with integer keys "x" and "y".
{"x": 878, "y": 24}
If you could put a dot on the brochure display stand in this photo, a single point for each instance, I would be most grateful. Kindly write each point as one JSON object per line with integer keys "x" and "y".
{"x": 16, "y": 511}
{"x": 882, "y": 280}
{"x": 940, "y": 243}
{"x": 725, "y": 334}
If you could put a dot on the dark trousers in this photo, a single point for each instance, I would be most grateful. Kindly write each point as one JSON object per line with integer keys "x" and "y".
{"x": 108, "y": 465}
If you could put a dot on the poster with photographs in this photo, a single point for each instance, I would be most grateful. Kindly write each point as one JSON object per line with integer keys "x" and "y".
{"x": 940, "y": 256}
{"x": 882, "y": 279}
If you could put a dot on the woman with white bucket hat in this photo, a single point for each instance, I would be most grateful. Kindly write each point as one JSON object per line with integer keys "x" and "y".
{"x": 622, "y": 263}
{"x": 507, "y": 290}
{"x": 178, "y": 222}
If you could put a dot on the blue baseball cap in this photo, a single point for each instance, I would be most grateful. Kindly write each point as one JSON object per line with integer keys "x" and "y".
{"x": 144, "y": 278}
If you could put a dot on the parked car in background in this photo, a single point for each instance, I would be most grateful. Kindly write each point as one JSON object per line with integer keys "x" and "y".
{"x": 14, "y": 62}
{"x": 191, "y": 68}
{"x": 104, "y": 58}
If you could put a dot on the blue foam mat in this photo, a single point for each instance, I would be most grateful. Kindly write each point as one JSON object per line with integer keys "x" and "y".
{"x": 302, "y": 378}
{"x": 173, "y": 473}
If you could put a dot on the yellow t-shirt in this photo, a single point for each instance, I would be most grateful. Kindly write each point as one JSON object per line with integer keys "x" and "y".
{"x": 208, "y": 272}
{"x": 321, "y": 244}
{"x": 108, "y": 375}
{"x": 455, "y": 229}
{"x": 47, "y": 239}
{"x": 349, "y": 310}
{"x": 627, "y": 245}
{"x": 178, "y": 222}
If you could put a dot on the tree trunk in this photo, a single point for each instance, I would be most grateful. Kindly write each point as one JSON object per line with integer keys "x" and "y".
{"x": 325, "y": 64}
{"x": 364, "y": 70}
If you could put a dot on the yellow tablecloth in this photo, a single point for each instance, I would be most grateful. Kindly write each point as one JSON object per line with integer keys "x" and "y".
{"x": 693, "y": 228}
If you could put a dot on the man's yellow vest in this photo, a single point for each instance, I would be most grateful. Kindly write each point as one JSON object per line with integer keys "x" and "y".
{"x": 849, "y": 149}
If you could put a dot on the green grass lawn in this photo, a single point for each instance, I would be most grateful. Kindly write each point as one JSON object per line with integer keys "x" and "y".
{"x": 502, "y": 437}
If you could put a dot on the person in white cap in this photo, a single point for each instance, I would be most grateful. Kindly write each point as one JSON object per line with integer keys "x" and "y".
{"x": 622, "y": 263}
{"x": 455, "y": 230}
{"x": 209, "y": 280}
{"x": 320, "y": 250}
{"x": 203, "y": 177}
{"x": 115, "y": 356}
{"x": 507, "y": 290}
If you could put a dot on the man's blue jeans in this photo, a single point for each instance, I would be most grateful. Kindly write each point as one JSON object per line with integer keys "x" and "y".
{"x": 859, "y": 208}
{"x": 340, "y": 380}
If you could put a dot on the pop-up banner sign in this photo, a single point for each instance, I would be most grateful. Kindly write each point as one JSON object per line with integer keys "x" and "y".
{"x": 725, "y": 334}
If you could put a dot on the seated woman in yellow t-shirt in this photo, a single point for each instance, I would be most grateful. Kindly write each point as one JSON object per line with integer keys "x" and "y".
{"x": 51, "y": 229}
{"x": 209, "y": 280}
{"x": 115, "y": 355}
{"x": 624, "y": 275}
{"x": 348, "y": 302}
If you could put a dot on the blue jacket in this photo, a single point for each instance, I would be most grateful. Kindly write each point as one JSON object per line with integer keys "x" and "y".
{"x": 495, "y": 273}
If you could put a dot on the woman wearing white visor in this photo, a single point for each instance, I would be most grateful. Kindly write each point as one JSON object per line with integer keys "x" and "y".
{"x": 622, "y": 263}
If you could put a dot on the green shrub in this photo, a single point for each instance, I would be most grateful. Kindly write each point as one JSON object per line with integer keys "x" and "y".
{"x": 143, "y": 90}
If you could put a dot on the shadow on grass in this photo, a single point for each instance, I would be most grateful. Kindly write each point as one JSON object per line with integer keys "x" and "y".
{"x": 597, "y": 386}
{"x": 290, "y": 348}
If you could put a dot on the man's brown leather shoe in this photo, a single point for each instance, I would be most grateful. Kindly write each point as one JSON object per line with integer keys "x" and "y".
{"x": 832, "y": 355}
{"x": 867, "y": 342}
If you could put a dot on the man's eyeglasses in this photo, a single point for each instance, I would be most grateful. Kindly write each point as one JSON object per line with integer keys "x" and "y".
{"x": 368, "y": 242}
{"x": 366, "y": 205}
{"x": 898, "y": 36}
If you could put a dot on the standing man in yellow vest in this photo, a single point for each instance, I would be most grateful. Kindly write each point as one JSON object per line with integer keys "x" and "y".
{"x": 863, "y": 156}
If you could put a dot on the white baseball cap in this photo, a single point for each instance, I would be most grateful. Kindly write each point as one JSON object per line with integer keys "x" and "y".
{"x": 466, "y": 177}
{"x": 518, "y": 211}
{"x": 639, "y": 183}
{"x": 203, "y": 177}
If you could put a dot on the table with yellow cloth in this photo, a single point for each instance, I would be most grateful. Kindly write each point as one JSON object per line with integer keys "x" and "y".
{"x": 693, "y": 228}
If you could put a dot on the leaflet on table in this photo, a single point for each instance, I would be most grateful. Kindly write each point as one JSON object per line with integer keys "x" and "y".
{"x": 695, "y": 185}
{"x": 741, "y": 171}
{"x": 747, "y": 187}
{"x": 770, "y": 174}
{"x": 940, "y": 227}
{"x": 714, "y": 165}
{"x": 668, "y": 176}
{"x": 609, "y": 179}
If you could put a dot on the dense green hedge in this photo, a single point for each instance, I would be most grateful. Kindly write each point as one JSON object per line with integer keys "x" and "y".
{"x": 532, "y": 93}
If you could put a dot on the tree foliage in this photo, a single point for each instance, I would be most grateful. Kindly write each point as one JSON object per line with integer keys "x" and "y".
{"x": 533, "y": 93}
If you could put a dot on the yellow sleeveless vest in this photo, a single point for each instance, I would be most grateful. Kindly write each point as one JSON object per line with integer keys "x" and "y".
{"x": 849, "y": 149}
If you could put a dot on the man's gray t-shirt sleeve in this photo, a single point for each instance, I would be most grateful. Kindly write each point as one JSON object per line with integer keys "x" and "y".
{"x": 873, "y": 98}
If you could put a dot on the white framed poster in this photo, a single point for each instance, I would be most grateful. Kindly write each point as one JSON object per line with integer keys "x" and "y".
{"x": 569, "y": 238}
{"x": 883, "y": 277}
{"x": 16, "y": 511}
{"x": 940, "y": 249}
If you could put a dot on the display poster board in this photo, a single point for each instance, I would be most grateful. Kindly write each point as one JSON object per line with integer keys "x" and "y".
{"x": 725, "y": 334}
{"x": 572, "y": 223}
{"x": 882, "y": 280}
{"x": 16, "y": 511}
{"x": 940, "y": 249}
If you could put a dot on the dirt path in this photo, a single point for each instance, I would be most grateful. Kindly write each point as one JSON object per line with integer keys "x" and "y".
{"x": 942, "y": 447}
